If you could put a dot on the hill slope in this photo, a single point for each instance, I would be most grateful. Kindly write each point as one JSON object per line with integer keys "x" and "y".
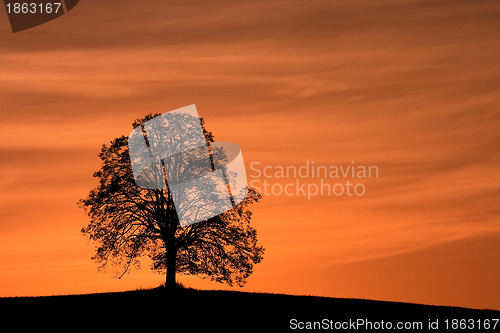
{"x": 188, "y": 309}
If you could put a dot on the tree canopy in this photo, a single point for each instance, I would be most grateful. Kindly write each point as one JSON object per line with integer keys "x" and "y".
{"x": 128, "y": 221}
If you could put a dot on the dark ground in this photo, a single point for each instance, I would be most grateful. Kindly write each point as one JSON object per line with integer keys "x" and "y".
{"x": 188, "y": 310}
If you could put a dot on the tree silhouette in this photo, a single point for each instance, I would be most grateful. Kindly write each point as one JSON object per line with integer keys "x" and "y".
{"x": 128, "y": 221}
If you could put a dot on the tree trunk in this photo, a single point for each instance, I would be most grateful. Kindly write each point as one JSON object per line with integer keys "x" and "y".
{"x": 171, "y": 258}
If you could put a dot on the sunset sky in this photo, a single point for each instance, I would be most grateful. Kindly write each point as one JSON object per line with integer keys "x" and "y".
{"x": 409, "y": 86}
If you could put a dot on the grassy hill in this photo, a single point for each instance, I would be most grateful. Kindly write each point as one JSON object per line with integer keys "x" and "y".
{"x": 190, "y": 310}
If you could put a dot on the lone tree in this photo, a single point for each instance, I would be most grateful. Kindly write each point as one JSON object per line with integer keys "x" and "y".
{"x": 127, "y": 222}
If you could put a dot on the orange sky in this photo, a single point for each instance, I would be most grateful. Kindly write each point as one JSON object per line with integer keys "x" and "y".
{"x": 411, "y": 87}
